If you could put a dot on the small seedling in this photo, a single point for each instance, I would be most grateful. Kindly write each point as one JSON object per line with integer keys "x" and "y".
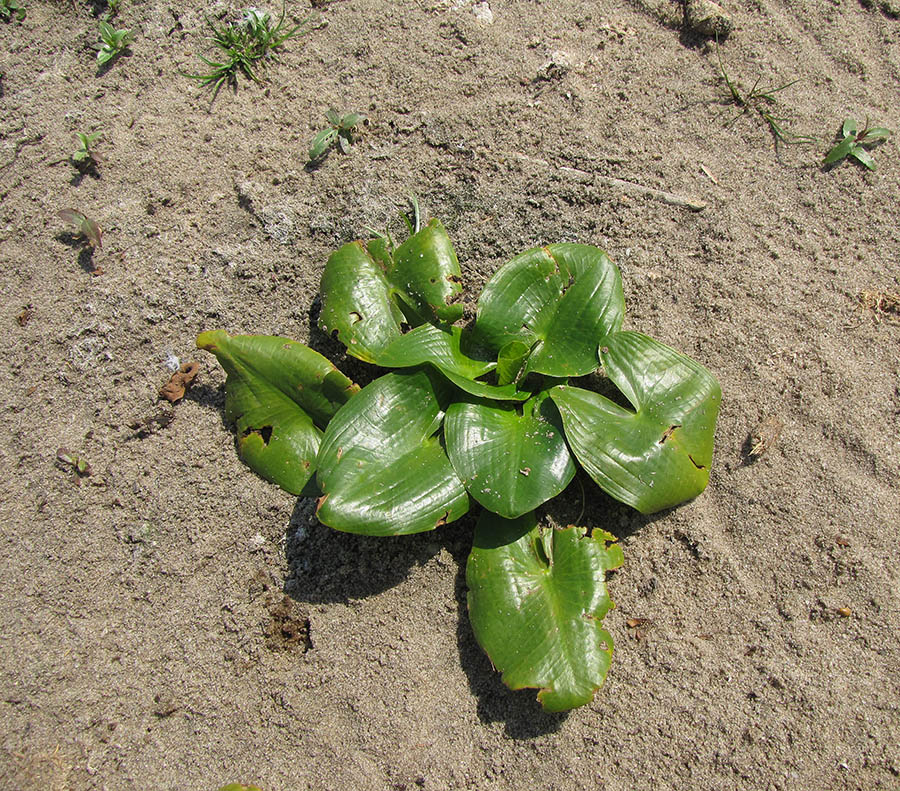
{"x": 10, "y": 9}
{"x": 112, "y": 8}
{"x": 854, "y": 142}
{"x": 115, "y": 42}
{"x": 83, "y": 225}
{"x": 760, "y": 101}
{"x": 244, "y": 45}
{"x": 340, "y": 131}
{"x": 84, "y": 156}
{"x": 76, "y": 462}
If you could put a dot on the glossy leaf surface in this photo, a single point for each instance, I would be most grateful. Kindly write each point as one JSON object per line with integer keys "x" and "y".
{"x": 430, "y": 344}
{"x": 279, "y": 394}
{"x": 536, "y": 602}
{"x": 509, "y": 462}
{"x": 357, "y": 302}
{"x": 369, "y": 292}
{"x": 562, "y": 300}
{"x": 658, "y": 455}
{"x": 426, "y": 268}
{"x": 382, "y": 469}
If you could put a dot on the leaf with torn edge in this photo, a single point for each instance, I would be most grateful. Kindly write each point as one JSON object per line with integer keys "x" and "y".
{"x": 537, "y": 598}
{"x": 279, "y": 394}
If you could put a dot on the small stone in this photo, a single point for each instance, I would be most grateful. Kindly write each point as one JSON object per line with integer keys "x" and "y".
{"x": 706, "y": 18}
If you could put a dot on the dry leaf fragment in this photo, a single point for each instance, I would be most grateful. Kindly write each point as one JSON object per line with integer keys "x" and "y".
{"x": 633, "y": 623}
{"x": 841, "y": 541}
{"x": 765, "y": 436}
{"x": 180, "y": 381}
{"x": 881, "y": 303}
{"x": 24, "y": 316}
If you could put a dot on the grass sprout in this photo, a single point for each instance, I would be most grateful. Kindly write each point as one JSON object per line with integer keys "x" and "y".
{"x": 760, "y": 101}
{"x": 243, "y": 45}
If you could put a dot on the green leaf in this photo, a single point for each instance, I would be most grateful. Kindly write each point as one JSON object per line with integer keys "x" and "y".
{"x": 876, "y": 134}
{"x": 426, "y": 269}
{"x": 511, "y": 459}
{"x": 279, "y": 394}
{"x": 658, "y": 455}
{"x": 382, "y": 468}
{"x": 357, "y": 302}
{"x": 333, "y": 118}
{"x": 841, "y": 150}
{"x": 562, "y": 300}
{"x": 364, "y": 287}
{"x": 483, "y": 390}
{"x": 351, "y": 119}
{"x": 435, "y": 345}
{"x": 858, "y": 152}
{"x": 321, "y": 142}
{"x": 537, "y": 599}
{"x": 849, "y": 128}
{"x": 87, "y": 227}
{"x": 510, "y": 362}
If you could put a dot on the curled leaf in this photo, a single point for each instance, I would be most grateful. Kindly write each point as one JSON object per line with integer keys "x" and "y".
{"x": 559, "y": 301}
{"x": 382, "y": 468}
{"x": 279, "y": 394}
{"x": 659, "y": 454}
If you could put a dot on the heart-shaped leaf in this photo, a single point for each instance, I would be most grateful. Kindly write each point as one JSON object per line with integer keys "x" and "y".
{"x": 562, "y": 300}
{"x": 537, "y": 599}
{"x": 658, "y": 455}
{"x": 382, "y": 468}
{"x": 278, "y": 393}
{"x": 369, "y": 292}
{"x": 510, "y": 458}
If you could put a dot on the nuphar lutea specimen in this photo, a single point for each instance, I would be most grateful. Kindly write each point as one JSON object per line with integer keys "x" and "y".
{"x": 486, "y": 416}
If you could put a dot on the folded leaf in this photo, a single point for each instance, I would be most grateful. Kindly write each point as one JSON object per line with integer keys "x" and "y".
{"x": 426, "y": 268}
{"x": 382, "y": 468}
{"x": 560, "y": 301}
{"x": 369, "y": 292}
{"x": 537, "y": 598}
{"x": 658, "y": 455}
{"x": 279, "y": 394}
{"x": 511, "y": 459}
{"x": 357, "y": 302}
{"x": 430, "y": 344}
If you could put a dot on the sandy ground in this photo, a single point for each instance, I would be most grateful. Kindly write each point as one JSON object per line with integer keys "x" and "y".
{"x": 175, "y": 622}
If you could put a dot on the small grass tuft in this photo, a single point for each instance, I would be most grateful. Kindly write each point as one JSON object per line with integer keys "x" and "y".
{"x": 760, "y": 101}
{"x": 244, "y": 45}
